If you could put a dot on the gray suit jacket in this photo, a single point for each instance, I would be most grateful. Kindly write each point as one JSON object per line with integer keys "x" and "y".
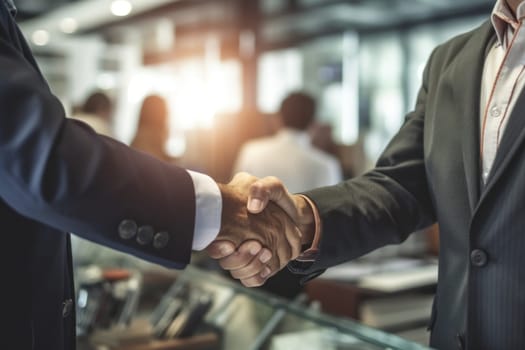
{"x": 430, "y": 172}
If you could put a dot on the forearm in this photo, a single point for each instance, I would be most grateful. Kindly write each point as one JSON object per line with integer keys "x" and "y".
{"x": 379, "y": 208}
{"x": 59, "y": 172}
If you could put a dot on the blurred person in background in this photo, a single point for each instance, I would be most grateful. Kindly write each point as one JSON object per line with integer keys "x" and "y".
{"x": 321, "y": 135}
{"x": 96, "y": 111}
{"x": 290, "y": 156}
{"x": 153, "y": 128}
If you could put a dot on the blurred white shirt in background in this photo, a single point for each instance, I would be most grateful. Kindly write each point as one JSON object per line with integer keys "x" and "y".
{"x": 290, "y": 156}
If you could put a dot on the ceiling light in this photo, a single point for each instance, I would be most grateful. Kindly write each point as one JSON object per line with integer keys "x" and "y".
{"x": 121, "y": 8}
{"x": 40, "y": 37}
{"x": 68, "y": 25}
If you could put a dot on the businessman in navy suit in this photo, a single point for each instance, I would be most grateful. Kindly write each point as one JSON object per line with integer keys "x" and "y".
{"x": 57, "y": 176}
{"x": 459, "y": 160}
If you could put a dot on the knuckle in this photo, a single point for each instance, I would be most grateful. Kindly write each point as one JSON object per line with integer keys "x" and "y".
{"x": 257, "y": 282}
{"x": 247, "y": 271}
{"x": 248, "y": 283}
{"x": 254, "y": 281}
{"x": 237, "y": 274}
{"x": 273, "y": 179}
{"x": 225, "y": 266}
{"x": 257, "y": 188}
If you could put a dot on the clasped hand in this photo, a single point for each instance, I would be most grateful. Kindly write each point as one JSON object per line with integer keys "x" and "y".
{"x": 263, "y": 228}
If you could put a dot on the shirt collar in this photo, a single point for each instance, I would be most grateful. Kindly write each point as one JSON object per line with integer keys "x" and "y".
{"x": 11, "y": 6}
{"x": 502, "y": 17}
{"x": 301, "y": 137}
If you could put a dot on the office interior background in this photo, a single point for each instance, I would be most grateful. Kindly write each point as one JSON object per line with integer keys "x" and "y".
{"x": 223, "y": 67}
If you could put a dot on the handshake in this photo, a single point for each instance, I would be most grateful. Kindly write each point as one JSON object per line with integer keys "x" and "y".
{"x": 263, "y": 228}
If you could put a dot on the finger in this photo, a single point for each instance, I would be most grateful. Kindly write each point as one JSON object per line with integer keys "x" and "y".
{"x": 242, "y": 256}
{"x": 262, "y": 191}
{"x": 255, "y": 267}
{"x": 220, "y": 249}
{"x": 240, "y": 176}
{"x": 242, "y": 179}
{"x": 257, "y": 280}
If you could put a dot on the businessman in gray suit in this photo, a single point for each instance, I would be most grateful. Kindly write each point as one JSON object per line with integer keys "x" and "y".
{"x": 459, "y": 160}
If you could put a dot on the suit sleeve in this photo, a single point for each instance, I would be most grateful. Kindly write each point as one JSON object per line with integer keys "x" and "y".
{"x": 381, "y": 207}
{"x": 59, "y": 172}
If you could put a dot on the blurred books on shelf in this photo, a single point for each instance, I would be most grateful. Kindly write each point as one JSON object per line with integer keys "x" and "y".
{"x": 388, "y": 275}
{"x": 393, "y": 294}
{"x": 394, "y": 281}
{"x": 396, "y": 311}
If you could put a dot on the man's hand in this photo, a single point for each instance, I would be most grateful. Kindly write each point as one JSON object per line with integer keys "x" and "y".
{"x": 272, "y": 228}
{"x": 246, "y": 263}
{"x": 272, "y": 189}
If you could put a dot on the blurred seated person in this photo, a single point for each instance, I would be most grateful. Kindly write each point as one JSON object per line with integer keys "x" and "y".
{"x": 96, "y": 111}
{"x": 153, "y": 128}
{"x": 290, "y": 156}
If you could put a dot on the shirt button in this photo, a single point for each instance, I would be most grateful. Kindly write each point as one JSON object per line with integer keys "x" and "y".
{"x": 495, "y": 112}
{"x": 478, "y": 258}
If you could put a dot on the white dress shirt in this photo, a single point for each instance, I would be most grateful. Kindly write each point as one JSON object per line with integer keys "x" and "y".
{"x": 208, "y": 210}
{"x": 502, "y": 82}
{"x": 290, "y": 156}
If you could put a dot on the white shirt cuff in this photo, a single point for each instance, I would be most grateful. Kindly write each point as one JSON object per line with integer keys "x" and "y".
{"x": 208, "y": 210}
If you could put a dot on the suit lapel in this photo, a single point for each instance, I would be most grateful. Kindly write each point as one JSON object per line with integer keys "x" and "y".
{"x": 467, "y": 89}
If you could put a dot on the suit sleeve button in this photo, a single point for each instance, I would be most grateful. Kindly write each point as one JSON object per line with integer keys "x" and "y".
{"x": 161, "y": 239}
{"x": 145, "y": 234}
{"x": 127, "y": 229}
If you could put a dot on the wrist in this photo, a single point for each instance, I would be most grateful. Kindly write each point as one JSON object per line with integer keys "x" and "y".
{"x": 232, "y": 206}
{"x": 312, "y": 234}
{"x": 226, "y": 199}
{"x": 306, "y": 221}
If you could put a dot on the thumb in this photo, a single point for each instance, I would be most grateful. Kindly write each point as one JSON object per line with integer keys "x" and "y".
{"x": 270, "y": 189}
{"x": 219, "y": 249}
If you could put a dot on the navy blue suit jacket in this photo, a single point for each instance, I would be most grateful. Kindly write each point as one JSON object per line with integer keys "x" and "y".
{"x": 57, "y": 176}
